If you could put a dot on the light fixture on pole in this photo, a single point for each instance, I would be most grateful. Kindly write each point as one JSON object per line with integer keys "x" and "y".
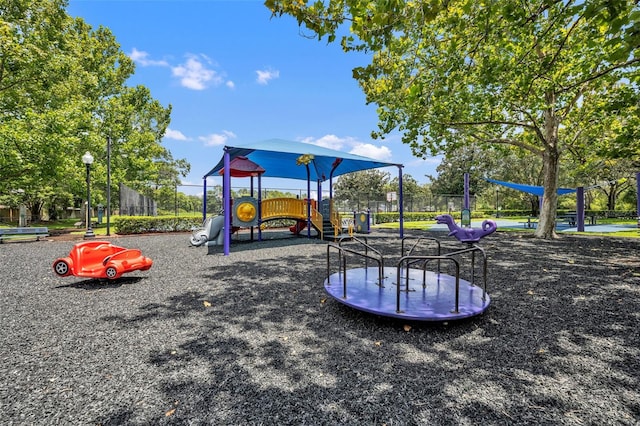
{"x": 87, "y": 159}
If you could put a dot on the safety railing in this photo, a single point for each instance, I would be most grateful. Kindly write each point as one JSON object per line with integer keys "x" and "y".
{"x": 425, "y": 259}
{"x": 342, "y": 261}
{"x": 290, "y": 208}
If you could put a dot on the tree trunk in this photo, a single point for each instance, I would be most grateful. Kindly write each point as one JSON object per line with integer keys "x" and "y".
{"x": 611, "y": 198}
{"x": 550, "y": 169}
{"x": 547, "y": 224}
{"x": 534, "y": 204}
{"x": 35, "y": 207}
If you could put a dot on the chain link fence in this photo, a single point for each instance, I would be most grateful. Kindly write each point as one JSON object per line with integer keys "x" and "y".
{"x": 433, "y": 203}
{"x": 133, "y": 203}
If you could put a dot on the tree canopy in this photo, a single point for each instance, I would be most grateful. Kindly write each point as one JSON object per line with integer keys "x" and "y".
{"x": 63, "y": 92}
{"x": 506, "y": 74}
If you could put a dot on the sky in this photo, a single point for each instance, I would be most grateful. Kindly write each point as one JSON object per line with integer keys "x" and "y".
{"x": 234, "y": 75}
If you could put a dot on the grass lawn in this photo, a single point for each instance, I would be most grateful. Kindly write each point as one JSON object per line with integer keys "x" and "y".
{"x": 426, "y": 224}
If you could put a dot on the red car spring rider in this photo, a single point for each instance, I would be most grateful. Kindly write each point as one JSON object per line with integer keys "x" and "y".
{"x": 100, "y": 259}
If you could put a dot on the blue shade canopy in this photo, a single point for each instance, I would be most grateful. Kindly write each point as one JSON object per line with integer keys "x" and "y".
{"x": 279, "y": 160}
{"x": 531, "y": 189}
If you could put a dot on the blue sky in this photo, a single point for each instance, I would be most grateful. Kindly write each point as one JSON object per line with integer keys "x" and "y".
{"x": 235, "y": 76}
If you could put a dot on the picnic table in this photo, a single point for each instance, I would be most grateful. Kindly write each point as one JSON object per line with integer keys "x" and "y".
{"x": 530, "y": 223}
{"x": 572, "y": 218}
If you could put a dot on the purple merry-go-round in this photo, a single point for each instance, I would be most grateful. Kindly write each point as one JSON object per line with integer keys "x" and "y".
{"x": 425, "y": 284}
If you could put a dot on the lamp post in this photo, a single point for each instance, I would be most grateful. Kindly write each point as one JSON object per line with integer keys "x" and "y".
{"x": 87, "y": 159}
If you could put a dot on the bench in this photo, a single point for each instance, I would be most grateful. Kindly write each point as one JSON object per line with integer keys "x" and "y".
{"x": 572, "y": 219}
{"x": 531, "y": 223}
{"x": 569, "y": 219}
{"x": 37, "y": 232}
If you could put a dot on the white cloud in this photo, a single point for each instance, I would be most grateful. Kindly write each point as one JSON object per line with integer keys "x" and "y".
{"x": 352, "y": 145}
{"x": 264, "y": 76}
{"x": 217, "y": 139}
{"x": 175, "y": 134}
{"x": 194, "y": 74}
{"x": 329, "y": 141}
{"x": 381, "y": 153}
{"x": 142, "y": 58}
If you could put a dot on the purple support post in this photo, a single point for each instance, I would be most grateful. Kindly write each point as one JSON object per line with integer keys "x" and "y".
{"x": 251, "y": 192}
{"x": 580, "y": 208}
{"x": 466, "y": 191}
{"x": 226, "y": 200}
{"x": 204, "y": 200}
{"x": 308, "y": 202}
{"x": 259, "y": 207}
{"x": 401, "y": 205}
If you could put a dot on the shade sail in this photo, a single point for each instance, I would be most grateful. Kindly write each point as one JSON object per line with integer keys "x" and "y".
{"x": 243, "y": 167}
{"x": 280, "y": 159}
{"x": 531, "y": 189}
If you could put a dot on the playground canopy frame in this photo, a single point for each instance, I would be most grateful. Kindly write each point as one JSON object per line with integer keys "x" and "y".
{"x": 279, "y": 157}
{"x": 294, "y": 160}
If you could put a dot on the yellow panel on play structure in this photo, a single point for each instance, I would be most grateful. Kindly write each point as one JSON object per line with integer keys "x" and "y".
{"x": 245, "y": 211}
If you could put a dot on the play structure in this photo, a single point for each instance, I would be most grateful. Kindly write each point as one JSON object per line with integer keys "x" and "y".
{"x": 307, "y": 214}
{"x": 289, "y": 160}
{"x": 249, "y": 212}
{"x": 246, "y": 213}
{"x": 426, "y": 283}
{"x": 102, "y": 260}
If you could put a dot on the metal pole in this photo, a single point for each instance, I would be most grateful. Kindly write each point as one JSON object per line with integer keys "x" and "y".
{"x": 108, "y": 185}
{"x": 580, "y": 208}
{"x": 204, "y": 199}
{"x": 466, "y": 191}
{"x": 401, "y": 206}
{"x": 89, "y": 233}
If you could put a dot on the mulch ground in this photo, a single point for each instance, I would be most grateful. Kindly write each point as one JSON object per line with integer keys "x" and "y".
{"x": 252, "y": 338}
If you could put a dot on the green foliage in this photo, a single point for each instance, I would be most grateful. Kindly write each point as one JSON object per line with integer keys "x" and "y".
{"x": 368, "y": 184}
{"x": 145, "y": 224}
{"x": 391, "y": 217}
{"x": 499, "y": 74}
{"x": 62, "y": 92}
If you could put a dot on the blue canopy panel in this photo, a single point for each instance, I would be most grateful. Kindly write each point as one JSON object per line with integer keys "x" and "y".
{"x": 279, "y": 159}
{"x": 531, "y": 189}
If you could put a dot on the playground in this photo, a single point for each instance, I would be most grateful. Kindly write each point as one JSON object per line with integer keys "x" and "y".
{"x": 253, "y": 338}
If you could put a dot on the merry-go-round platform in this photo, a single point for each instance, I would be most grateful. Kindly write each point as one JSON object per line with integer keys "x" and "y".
{"x": 425, "y": 284}
{"x": 435, "y": 301}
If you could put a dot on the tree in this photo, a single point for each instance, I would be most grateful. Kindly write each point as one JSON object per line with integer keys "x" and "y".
{"x": 361, "y": 187}
{"x": 34, "y": 107}
{"x": 479, "y": 162}
{"x": 502, "y": 73}
{"x": 62, "y": 92}
{"x": 411, "y": 190}
{"x": 135, "y": 124}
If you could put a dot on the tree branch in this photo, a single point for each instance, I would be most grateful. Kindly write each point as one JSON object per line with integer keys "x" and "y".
{"x": 506, "y": 141}
{"x": 494, "y": 122}
{"x": 599, "y": 74}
